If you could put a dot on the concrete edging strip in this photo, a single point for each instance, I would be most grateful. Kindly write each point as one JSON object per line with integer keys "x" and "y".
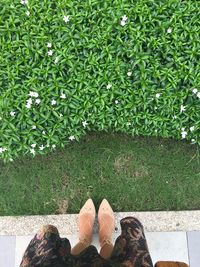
{"x": 155, "y": 221}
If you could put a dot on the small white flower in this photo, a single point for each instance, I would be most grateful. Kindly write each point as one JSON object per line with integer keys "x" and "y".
{"x": 56, "y": 60}
{"x": 124, "y": 18}
{"x": 41, "y": 147}
{"x": 198, "y": 94}
{"x": 109, "y": 86}
{"x": 129, "y": 73}
{"x": 192, "y": 128}
{"x": 49, "y": 45}
{"x": 28, "y": 105}
{"x": 157, "y": 95}
{"x": 32, "y": 151}
{"x": 116, "y": 101}
{"x": 156, "y": 130}
{"x": 184, "y": 133}
{"x": 33, "y": 94}
{"x": 169, "y": 30}
{"x": 167, "y": 182}
{"x": 128, "y": 123}
{"x": 194, "y": 90}
{"x": 182, "y": 129}
{"x": 174, "y": 117}
{"x": 50, "y": 52}
{"x": 123, "y": 22}
{"x": 71, "y": 138}
{"x": 11, "y": 159}
{"x": 33, "y": 127}
{"x": 84, "y": 123}
{"x": 28, "y": 13}
{"x": 24, "y": 2}
{"x": 156, "y": 108}
{"x": 37, "y": 101}
{"x": 43, "y": 132}
{"x": 193, "y": 141}
{"x": 66, "y": 18}
{"x": 61, "y": 115}
{"x": 33, "y": 145}
{"x": 63, "y": 96}
{"x": 182, "y": 108}
{"x": 53, "y": 102}
{"x": 12, "y": 113}
{"x": 53, "y": 146}
{"x": 1, "y": 150}
{"x": 29, "y": 101}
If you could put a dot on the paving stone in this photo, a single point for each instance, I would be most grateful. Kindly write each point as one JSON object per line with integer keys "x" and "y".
{"x": 194, "y": 248}
{"x": 168, "y": 246}
{"x": 7, "y": 251}
{"x": 21, "y": 245}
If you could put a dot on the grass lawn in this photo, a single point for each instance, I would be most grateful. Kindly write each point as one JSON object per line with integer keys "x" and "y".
{"x": 133, "y": 173}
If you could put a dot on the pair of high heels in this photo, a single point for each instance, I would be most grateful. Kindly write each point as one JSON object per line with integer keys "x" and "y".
{"x": 86, "y": 222}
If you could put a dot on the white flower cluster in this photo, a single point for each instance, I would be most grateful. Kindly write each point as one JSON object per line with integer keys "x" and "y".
{"x": 123, "y": 20}
{"x": 195, "y": 91}
{"x": 184, "y": 132}
{"x": 29, "y": 102}
{"x": 25, "y": 2}
{"x": 32, "y": 150}
{"x": 50, "y": 52}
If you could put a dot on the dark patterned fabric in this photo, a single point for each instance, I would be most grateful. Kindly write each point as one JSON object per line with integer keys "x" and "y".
{"x": 48, "y": 249}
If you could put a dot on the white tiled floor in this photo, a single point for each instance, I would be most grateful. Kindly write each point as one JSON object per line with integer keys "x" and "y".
{"x": 162, "y": 245}
{"x": 168, "y": 246}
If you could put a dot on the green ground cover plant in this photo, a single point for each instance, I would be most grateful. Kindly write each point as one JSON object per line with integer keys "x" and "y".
{"x": 133, "y": 173}
{"x": 69, "y": 67}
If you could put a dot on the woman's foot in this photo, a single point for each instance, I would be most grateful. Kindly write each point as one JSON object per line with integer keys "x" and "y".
{"x": 85, "y": 224}
{"x": 86, "y": 221}
{"x": 106, "y": 223}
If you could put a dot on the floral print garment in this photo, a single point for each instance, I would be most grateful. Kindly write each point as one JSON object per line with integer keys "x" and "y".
{"x": 48, "y": 249}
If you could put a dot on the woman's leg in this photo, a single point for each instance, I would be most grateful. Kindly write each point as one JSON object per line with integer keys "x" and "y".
{"x": 131, "y": 248}
{"x": 85, "y": 222}
{"x": 46, "y": 247}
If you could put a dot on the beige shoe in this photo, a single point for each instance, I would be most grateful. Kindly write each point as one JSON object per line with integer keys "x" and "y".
{"x": 106, "y": 223}
{"x": 86, "y": 221}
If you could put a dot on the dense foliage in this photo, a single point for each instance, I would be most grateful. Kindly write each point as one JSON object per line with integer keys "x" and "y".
{"x": 67, "y": 67}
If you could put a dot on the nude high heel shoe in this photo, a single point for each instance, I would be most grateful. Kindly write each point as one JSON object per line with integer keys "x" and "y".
{"x": 86, "y": 221}
{"x": 106, "y": 223}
